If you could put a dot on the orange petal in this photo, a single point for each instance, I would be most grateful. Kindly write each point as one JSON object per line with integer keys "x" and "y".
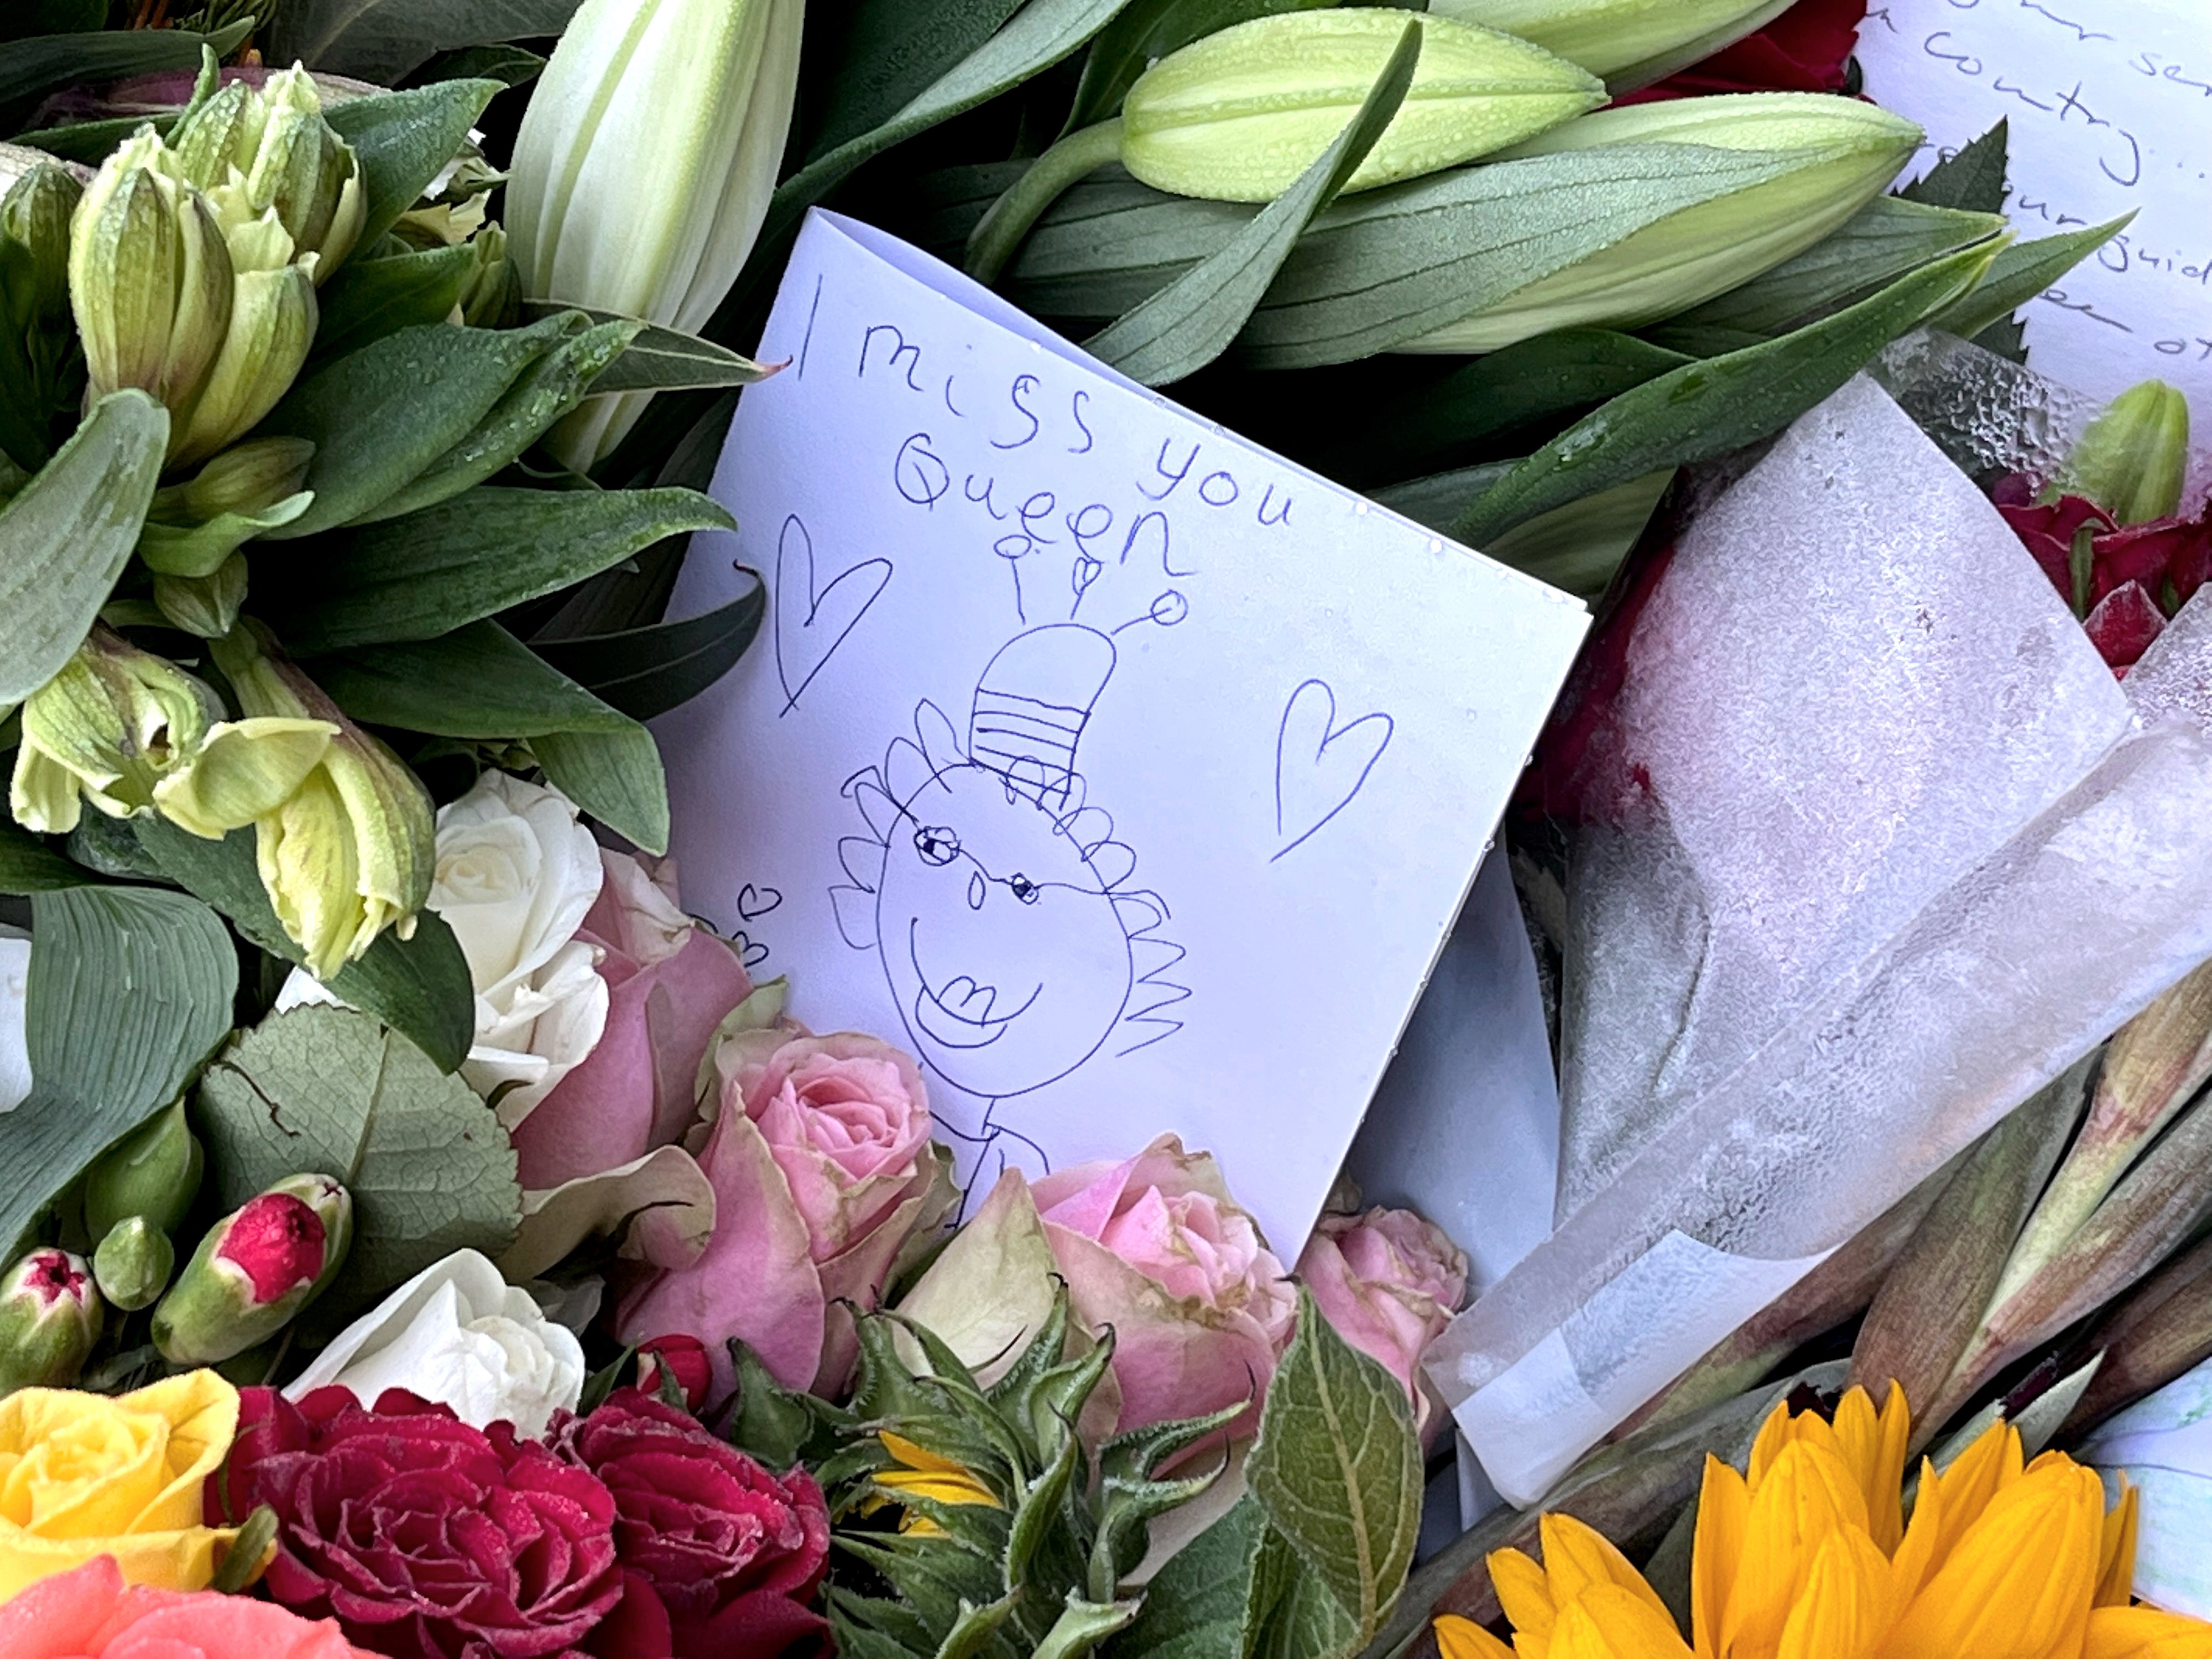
{"x": 1724, "y": 1524}
{"x": 1463, "y": 1638}
{"x": 1875, "y": 1446}
{"x": 2116, "y": 1561}
{"x": 1610, "y": 1621}
{"x": 1914, "y": 1561}
{"x": 1523, "y": 1591}
{"x": 1846, "y": 1609}
{"x": 2146, "y": 1634}
{"x": 1809, "y": 1493}
{"x": 1577, "y": 1557}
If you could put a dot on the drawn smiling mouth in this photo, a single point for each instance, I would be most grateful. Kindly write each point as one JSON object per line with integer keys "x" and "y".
{"x": 960, "y": 1013}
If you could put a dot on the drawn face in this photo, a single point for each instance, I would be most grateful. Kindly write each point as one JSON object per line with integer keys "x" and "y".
{"x": 1000, "y": 939}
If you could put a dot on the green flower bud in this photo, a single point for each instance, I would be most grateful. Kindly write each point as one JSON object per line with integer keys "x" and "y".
{"x": 1239, "y": 115}
{"x": 243, "y": 771}
{"x": 133, "y": 1264}
{"x": 272, "y": 324}
{"x": 1632, "y": 43}
{"x": 2131, "y": 459}
{"x": 495, "y": 289}
{"x": 34, "y": 217}
{"x": 255, "y": 1270}
{"x": 1831, "y": 157}
{"x": 269, "y": 150}
{"x": 107, "y": 728}
{"x": 149, "y": 279}
{"x": 154, "y": 1171}
{"x": 349, "y": 853}
{"x": 206, "y": 606}
{"x": 194, "y": 527}
{"x": 50, "y": 1317}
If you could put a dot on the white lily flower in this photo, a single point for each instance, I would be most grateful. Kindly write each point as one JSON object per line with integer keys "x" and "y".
{"x": 457, "y": 1334}
{"x": 2163, "y": 1447}
{"x": 644, "y": 167}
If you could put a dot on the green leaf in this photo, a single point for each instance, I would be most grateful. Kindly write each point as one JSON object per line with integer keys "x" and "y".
{"x": 30, "y": 67}
{"x": 1709, "y": 408}
{"x": 322, "y": 1091}
{"x": 381, "y": 40}
{"x": 28, "y": 865}
{"x": 242, "y": 1556}
{"x": 129, "y": 992}
{"x": 419, "y": 986}
{"x": 1337, "y": 1468}
{"x": 404, "y": 139}
{"x": 1147, "y": 31}
{"x": 2021, "y": 272}
{"x": 887, "y": 53}
{"x": 478, "y": 683}
{"x": 66, "y": 539}
{"x": 1082, "y": 1625}
{"x": 425, "y": 575}
{"x": 509, "y": 65}
{"x": 1189, "y": 323}
{"x": 1110, "y": 243}
{"x": 616, "y": 776}
{"x": 664, "y": 358}
{"x": 1974, "y": 179}
{"x": 380, "y": 417}
{"x": 53, "y": 17}
{"x": 1195, "y": 1605}
{"x": 770, "y": 1422}
{"x": 369, "y": 299}
{"x": 1304, "y": 1620}
{"x": 647, "y": 671}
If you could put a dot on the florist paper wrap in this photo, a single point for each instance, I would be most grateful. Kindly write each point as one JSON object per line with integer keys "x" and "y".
{"x": 1873, "y": 846}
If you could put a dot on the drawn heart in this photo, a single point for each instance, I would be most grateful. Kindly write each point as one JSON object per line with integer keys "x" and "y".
{"x": 1320, "y": 766}
{"x": 812, "y": 617}
{"x": 754, "y": 902}
{"x": 750, "y": 951}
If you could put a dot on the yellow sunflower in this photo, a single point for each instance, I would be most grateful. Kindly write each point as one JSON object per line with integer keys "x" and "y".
{"x": 1807, "y": 1555}
{"x": 926, "y": 1475}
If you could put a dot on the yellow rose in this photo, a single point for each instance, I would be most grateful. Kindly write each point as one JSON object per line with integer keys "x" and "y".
{"x": 82, "y": 1475}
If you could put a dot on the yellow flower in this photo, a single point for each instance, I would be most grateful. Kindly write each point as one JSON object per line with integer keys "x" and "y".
{"x": 926, "y": 1475}
{"x": 83, "y": 1476}
{"x": 1807, "y": 1555}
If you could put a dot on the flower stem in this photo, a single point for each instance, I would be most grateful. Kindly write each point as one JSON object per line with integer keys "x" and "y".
{"x": 1000, "y": 233}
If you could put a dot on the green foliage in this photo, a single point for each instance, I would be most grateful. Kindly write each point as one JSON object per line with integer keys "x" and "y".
{"x": 321, "y": 1091}
{"x": 372, "y": 298}
{"x": 404, "y": 139}
{"x": 1973, "y": 179}
{"x": 1148, "y": 31}
{"x": 28, "y": 865}
{"x": 44, "y": 62}
{"x": 614, "y": 775}
{"x": 647, "y": 671}
{"x": 381, "y": 40}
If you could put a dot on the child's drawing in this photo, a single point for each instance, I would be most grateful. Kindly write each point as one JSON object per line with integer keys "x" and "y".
{"x": 995, "y": 895}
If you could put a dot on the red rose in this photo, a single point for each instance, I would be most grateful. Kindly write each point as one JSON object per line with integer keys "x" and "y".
{"x": 425, "y": 1538}
{"x": 721, "y": 1558}
{"x": 1807, "y": 49}
{"x": 684, "y": 1360}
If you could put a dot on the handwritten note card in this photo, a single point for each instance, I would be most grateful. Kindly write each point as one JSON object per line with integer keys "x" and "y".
{"x": 2111, "y": 109}
{"x": 1127, "y": 776}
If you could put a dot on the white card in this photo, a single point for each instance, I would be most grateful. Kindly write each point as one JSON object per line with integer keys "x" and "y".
{"x": 2110, "y": 103}
{"x": 1128, "y": 775}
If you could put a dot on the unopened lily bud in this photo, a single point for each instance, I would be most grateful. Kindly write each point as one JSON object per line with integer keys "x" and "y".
{"x": 1238, "y": 116}
{"x": 193, "y": 527}
{"x": 255, "y": 1270}
{"x": 106, "y": 729}
{"x": 149, "y": 279}
{"x": 1632, "y": 43}
{"x": 495, "y": 287}
{"x": 272, "y": 324}
{"x": 50, "y": 1317}
{"x": 269, "y": 149}
{"x": 205, "y": 607}
{"x": 35, "y": 216}
{"x": 2131, "y": 459}
{"x": 133, "y": 1264}
{"x": 154, "y": 1171}
{"x": 1826, "y": 158}
{"x": 242, "y": 771}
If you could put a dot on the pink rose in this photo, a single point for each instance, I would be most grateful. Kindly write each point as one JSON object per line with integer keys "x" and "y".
{"x": 821, "y": 1165}
{"x": 88, "y": 1613}
{"x": 1156, "y": 1248}
{"x": 669, "y": 984}
{"x": 1390, "y": 1281}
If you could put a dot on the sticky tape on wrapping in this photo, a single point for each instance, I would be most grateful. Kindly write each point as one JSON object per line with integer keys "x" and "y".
{"x": 1531, "y": 1422}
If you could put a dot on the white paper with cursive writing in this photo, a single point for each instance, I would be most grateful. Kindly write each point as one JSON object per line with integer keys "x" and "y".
{"x": 2110, "y": 103}
{"x": 1127, "y": 776}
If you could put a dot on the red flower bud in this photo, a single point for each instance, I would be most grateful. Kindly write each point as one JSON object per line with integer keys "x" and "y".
{"x": 682, "y": 1358}
{"x": 278, "y": 1242}
{"x": 50, "y": 1317}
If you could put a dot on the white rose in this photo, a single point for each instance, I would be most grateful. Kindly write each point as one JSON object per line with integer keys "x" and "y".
{"x": 15, "y": 1049}
{"x": 458, "y": 1334}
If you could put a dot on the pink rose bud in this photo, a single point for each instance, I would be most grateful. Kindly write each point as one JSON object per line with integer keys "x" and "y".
{"x": 1390, "y": 1281}
{"x": 680, "y": 1359}
{"x": 255, "y": 1270}
{"x": 50, "y": 1317}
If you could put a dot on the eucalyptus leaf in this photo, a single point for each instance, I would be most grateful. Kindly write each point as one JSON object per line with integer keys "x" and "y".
{"x": 381, "y": 40}
{"x": 28, "y": 865}
{"x": 404, "y": 139}
{"x": 44, "y": 62}
{"x": 130, "y": 991}
{"x": 418, "y": 986}
{"x": 1147, "y": 31}
{"x": 615, "y": 776}
{"x": 371, "y": 298}
{"x": 1708, "y": 408}
{"x": 478, "y": 683}
{"x": 1189, "y": 323}
{"x": 647, "y": 671}
{"x": 66, "y": 537}
{"x": 472, "y": 557}
{"x": 2019, "y": 274}
{"x": 324, "y": 1091}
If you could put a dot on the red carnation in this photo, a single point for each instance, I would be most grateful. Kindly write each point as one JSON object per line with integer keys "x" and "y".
{"x": 424, "y": 1537}
{"x": 721, "y": 1558}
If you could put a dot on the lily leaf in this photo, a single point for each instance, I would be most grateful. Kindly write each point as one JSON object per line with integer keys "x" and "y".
{"x": 647, "y": 671}
{"x": 2021, "y": 272}
{"x": 382, "y": 40}
{"x": 404, "y": 139}
{"x": 478, "y": 683}
{"x": 371, "y": 298}
{"x": 888, "y": 51}
{"x": 39, "y": 64}
{"x": 28, "y": 865}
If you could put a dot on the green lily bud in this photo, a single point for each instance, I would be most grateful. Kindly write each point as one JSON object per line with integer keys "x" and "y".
{"x": 1238, "y": 116}
{"x": 255, "y": 1270}
{"x": 2131, "y": 459}
{"x": 1632, "y": 43}
{"x": 50, "y": 1317}
{"x": 272, "y": 324}
{"x": 244, "y": 770}
{"x": 35, "y": 216}
{"x": 269, "y": 150}
{"x": 149, "y": 279}
{"x": 154, "y": 1171}
{"x": 205, "y": 607}
{"x": 109, "y": 726}
{"x": 36, "y": 344}
{"x": 495, "y": 287}
{"x": 349, "y": 853}
{"x": 133, "y": 1264}
{"x": 1831, "y": 157}
{"x": 194, "y": 527}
